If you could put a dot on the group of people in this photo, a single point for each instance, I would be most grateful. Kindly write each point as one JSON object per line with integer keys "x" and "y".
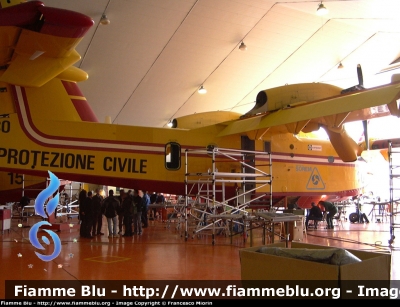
{"x": 315, "y": 213}
{"x": 128, "y": 212}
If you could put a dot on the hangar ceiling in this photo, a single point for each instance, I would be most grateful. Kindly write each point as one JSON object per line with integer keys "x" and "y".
{"x": 146, "y": 66}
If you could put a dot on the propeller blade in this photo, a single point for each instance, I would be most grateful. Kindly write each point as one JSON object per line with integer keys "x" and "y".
{"x": 360, "y": 85}
{"x": 360, "y": 76}
{"x": 365, "y": 124}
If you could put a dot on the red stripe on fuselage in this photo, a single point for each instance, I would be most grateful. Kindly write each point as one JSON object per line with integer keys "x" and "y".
{"x": 72, "y": 88}
{"x": 81, "y": 105}
{"x": 84, "y": 141}
{"x": 84, "y": 110}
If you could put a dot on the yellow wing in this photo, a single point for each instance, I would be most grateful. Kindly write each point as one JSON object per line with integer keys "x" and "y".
{"x": 329, "y": 113}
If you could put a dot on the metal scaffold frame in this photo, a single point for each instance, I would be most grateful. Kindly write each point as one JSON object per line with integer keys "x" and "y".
{"x": 394, "y": 186}
{"x": 206, "y": 206}
{"x": 66, "y": 207}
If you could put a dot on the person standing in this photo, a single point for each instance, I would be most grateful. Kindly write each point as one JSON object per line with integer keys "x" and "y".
{"x": 153, "y": 198}
{"x": 97, "y": 202}
{"x": 120, "y": 212}
{"x": 110, "y": 205}
{"x": 88, "y": 215}
{"x": 145, "y": 209}
{"x": 130, "y": 193}
{"x": 81, "y": 198}
{"x": 137, "y": 212}
{"x": 330, "y": 210}
{"x": 153, "y": 211}
{"x": 127, "y": 207}
{"x": 160, "y": 198}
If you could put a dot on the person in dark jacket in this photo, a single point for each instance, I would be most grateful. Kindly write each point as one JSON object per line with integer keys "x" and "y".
{"x": 137, "y": 212}
{"x": 120, "y": 212}
{"x": 88, "y": 213}
{"x": 97, "y": 202}
{"x": 127, "y": 209}
{"x": 110, "y": 206}
{"x": 145, "y": 209}
{"x": 153, "y": 211}
{"x": 330, "y": 210}
{"x": 82, "y": 198}
{"x": 314, "y": 214}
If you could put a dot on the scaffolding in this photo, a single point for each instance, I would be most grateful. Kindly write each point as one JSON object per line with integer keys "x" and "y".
{"x": 207, "y": 208}
{"x": 68, "y": 206}
{"x": 394, "y": 186}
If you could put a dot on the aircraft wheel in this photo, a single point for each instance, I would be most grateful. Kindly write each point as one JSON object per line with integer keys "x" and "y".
{"x": 353, "y": 217}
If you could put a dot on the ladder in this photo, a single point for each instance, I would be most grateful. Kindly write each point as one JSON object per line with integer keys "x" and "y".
{"x": 213, "y": 210}
{"x": 394, "y": 186}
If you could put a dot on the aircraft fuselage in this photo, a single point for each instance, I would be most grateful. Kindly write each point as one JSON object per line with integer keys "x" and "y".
{"x": 42, "y": 133}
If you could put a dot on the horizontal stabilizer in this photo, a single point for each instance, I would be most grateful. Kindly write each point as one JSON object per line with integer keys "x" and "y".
{"x": 37, "y": 72}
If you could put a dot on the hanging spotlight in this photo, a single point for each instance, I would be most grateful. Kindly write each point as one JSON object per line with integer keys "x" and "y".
{"x": 340, "y": 66}
{"x": 322, "y": 10}
{"x": 202, "y": 90}
{"x": 242, "y": 47}
{"x": 172, "y": 123}
{"x": 104, "y": 20}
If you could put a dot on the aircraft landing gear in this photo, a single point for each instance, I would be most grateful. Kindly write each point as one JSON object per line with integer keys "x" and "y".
{"x": 391, "y": 240}
{"x": 358, "y": 216}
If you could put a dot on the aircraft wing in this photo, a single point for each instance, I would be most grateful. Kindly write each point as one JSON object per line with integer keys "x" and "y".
{"x": 331, "y": 112}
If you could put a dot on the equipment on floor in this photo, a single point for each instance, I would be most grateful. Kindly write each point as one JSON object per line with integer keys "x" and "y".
{"x": 358, "y": 216}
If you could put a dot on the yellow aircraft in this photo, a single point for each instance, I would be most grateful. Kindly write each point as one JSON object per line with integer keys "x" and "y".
{"x": 46, "y": 125}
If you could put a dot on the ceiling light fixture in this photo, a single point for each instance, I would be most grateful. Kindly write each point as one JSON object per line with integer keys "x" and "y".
{"x": 172, "y": 123}
{"x": 104, "y": 20}
{"x": 322, "y": 10}
{"x": 242, "y": 47}
{"x": 202, "y": 90}
{"x": 340, "y": 66}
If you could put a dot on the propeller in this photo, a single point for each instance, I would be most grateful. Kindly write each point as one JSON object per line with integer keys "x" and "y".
{"x": 360, "y": 77}
{"x": 365, "y": 125}
{"x": 359, "y": 86}
{"x": 365, "y": 122}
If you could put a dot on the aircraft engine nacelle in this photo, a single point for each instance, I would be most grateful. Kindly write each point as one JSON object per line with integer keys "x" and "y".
{"x": 286, "y": 96}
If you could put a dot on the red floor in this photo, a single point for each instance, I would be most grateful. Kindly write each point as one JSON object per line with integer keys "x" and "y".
{"x": 161, "y": 253}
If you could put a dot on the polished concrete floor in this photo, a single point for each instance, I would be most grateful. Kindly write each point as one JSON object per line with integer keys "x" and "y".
{"x": 162, "y": 252}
